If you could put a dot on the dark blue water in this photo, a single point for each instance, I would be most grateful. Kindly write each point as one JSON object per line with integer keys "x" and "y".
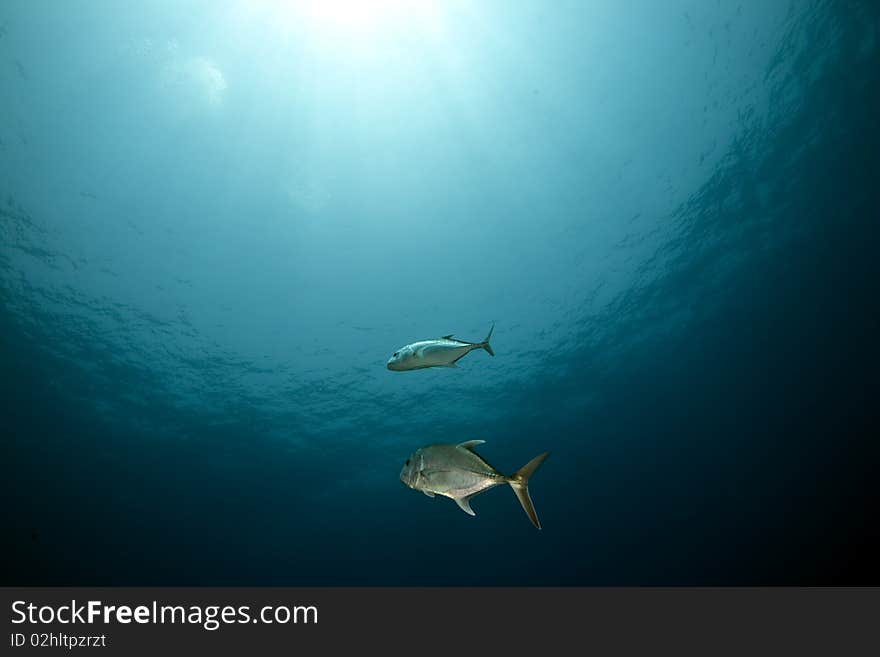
{"x": 220, "y": 219}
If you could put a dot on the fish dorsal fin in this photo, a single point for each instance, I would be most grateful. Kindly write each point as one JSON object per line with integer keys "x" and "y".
{"x": 465, "y": 504}
{"x": 428, "y": 493}
{"x": 470, "y": 444}
{"x": 447, "y": 337}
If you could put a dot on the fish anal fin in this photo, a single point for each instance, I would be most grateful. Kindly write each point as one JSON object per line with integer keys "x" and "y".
{"x": 465, "y": 504}
{"x": 428, "y": 493}
{"x": 470, "y": 444}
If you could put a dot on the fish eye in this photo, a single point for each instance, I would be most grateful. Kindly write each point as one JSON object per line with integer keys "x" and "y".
{"x": 395, "y": 354}
{"x": 407, "y": 462}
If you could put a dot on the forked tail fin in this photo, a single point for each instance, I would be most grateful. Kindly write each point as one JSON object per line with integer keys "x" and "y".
{"x": 485, "y": 343}
{"x": 519, "y": 481}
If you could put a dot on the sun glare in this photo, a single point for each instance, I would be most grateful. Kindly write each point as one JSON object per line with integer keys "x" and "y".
{"x": 351, "y": 20}
{"x": 356, "y": 15}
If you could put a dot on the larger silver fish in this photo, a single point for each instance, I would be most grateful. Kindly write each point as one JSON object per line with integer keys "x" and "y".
{"x": 458, "y": 472}
{"x": 442, "y": 352}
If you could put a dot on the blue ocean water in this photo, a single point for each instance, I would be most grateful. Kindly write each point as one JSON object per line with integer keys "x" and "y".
{"x": 219, "y": 219}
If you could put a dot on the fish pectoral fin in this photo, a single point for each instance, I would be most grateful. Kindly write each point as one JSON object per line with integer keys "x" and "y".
{"x": 470, "y": 444}
{"x": 428, "y": 493}
{"x": 465, "y": 504}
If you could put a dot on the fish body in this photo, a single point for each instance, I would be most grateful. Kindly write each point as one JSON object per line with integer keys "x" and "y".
{"x": 440, "y": 352}
{"x": 458, "y": 472}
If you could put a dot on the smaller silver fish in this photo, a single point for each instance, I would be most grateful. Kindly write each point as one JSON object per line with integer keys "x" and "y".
{"x": 458, "y": 472}
{"x": 441, "y": 352}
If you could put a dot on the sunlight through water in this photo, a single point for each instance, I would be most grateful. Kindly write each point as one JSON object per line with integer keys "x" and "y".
{"x": 354, "y": 23}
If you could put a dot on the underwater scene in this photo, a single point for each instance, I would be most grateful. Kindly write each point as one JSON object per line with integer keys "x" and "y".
{"x": 401, "y": 292}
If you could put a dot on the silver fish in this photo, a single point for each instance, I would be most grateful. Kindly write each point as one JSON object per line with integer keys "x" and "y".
{"x": 442, "y": 352}
{"x": 458, "y": 472}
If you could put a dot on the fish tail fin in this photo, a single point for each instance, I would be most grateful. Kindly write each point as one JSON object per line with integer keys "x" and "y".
{"x": 519, "y": 481}
{"x": 485, "y": 343}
